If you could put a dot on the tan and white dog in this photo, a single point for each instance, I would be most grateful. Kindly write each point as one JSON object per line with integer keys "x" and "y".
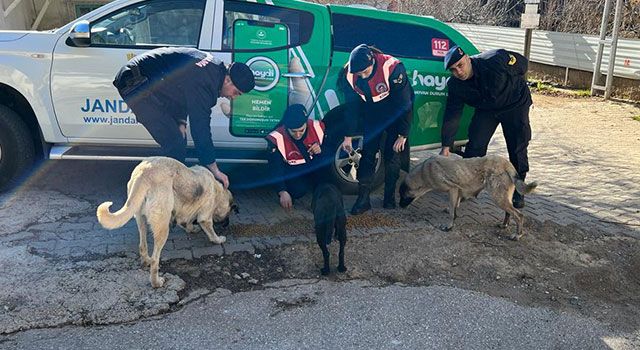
{"x": 465, "y": 178}
{"x": 162, "y": 190}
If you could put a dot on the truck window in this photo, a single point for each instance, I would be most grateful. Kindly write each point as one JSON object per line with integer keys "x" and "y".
{"x": 393, "y": 38}
{"x": 151, "y": 23}
{"x": 299, "y": 23}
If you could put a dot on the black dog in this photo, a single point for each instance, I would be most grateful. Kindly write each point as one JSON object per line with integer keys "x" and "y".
{"x": 330, "y": 220}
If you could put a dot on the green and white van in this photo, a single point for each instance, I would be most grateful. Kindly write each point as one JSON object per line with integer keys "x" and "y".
{"x": 57, "y": 100}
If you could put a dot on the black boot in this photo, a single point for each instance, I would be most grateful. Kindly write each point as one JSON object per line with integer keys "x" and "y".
{"x": 363, "y": 203}
{"x": 518, "y": 199}
{"x": 391, "y": 174}
{"x": 389, "y": 201}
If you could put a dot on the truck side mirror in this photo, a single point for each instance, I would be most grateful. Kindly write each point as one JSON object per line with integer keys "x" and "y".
{"x": 80, "y": 34}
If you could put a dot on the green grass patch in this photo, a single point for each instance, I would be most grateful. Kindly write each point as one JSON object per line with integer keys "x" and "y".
{"x": 540, "y": 86}
{"x": 636, "y": 118}
{"x": 583, "y": 93}
{"x": 550, "y": 88}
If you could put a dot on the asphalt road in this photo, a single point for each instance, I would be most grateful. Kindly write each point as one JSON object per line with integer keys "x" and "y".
{"x": 331, "y": 315}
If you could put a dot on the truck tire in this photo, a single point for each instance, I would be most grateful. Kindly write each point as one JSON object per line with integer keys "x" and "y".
{"x": 17, "y": 151}
{"x": 344, "y": 167}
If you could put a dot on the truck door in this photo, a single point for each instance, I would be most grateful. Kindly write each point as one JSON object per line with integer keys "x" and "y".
{"x": 86, "y": 103}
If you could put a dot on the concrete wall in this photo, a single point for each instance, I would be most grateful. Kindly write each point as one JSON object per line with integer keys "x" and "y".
{"x": 57, "y": 14}
{"x": 21, "y": 16}
{"x": 61, "y": 12}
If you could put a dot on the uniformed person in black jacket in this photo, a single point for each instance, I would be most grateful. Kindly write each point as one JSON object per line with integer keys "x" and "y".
{"x": 165, "y": 86}
{"x": 494, "y": 83}
{"x": 297, "y": 161}
{"x": 378, "y": 91}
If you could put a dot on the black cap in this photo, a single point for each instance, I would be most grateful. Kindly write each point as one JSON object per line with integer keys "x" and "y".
{"x": 242, "y": 76}
{"x": 361, "y": 57}
{"x": 295, "y": 116}
{"x": 453, "y": 55}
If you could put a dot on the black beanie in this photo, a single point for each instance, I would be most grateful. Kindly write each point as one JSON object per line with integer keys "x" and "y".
{"x": 360, "y": 58}
{"x": 295, "y": 116}
{"x": 241, "y": 76}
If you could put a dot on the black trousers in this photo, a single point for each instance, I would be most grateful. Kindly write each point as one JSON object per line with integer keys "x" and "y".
{"x": 302, "y": 183}
{"x": 299, "y": 186}
{"x": 152, "y": 113}
{"x": 516, "y": 130}
{"x": 371, "y": 146}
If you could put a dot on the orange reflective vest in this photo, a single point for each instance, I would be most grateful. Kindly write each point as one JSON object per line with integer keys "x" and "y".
{"x": 288, "y": 149}
{"x": 379, "y": 83}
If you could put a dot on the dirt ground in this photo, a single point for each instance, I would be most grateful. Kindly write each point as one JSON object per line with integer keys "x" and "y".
{"x": 566, "y": 268}
{"x": 560, "y": 267}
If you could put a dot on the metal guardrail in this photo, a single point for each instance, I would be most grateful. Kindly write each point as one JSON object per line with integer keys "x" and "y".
{"x": 575, "y": 51}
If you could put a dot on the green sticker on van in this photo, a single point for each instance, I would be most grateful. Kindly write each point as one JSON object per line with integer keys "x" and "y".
{"x": 258, "y": 111}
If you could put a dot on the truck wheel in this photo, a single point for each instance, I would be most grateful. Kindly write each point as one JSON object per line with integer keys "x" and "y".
{"x": 17, "y": 151}
{"x": 345, "y": 166}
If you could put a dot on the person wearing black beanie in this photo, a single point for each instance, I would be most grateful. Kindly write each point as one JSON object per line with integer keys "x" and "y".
{"x": 297, "y": 161}
{"x": 167, "y": 86}
{"x": 377, "y": 92}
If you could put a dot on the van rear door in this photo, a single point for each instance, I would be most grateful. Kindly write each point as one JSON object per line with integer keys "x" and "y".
{"x": 287, "y": 45}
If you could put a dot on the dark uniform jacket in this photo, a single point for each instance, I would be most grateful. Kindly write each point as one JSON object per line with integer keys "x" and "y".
{"x": 396, "y": 109}
{"x": 498, "y": 85}
{"x": 187, "y": 81}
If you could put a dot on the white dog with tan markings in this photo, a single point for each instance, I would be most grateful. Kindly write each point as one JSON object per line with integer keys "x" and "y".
{"x": 465, "y": 178}
{"x": 162, "y": 190}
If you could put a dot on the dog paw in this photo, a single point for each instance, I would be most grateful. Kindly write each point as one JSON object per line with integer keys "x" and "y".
{"x": 220, "y": 240}
{"x": 342, "y": 268}
{"x": 157, "y": 283}
{"x": 325, "y": 271}
{"x": 515, "y": 237}
{"x": 502, "y": 226}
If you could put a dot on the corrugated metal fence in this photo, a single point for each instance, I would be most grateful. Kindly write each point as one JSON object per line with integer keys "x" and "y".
{"x": 575, "y": 51}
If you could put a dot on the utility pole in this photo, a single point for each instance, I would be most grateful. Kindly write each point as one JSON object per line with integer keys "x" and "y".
{"x": 597, "y": 75}
{"x": 529, "y": 21}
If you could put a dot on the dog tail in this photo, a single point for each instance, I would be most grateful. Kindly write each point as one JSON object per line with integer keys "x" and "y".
{"x": 115, "y": 220}
{"x": 524, "y": 188}
{"x": 521, "y": 186}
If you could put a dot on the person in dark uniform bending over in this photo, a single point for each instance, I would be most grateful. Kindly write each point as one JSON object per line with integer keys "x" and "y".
{"x": 297, "y": 161}
{"x": 378, "y": 91}
{"x": 165, "y": 86}
{"x": 494, "y": 83}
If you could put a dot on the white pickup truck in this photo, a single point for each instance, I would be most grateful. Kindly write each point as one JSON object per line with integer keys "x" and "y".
{"x": 57, "y": 100}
